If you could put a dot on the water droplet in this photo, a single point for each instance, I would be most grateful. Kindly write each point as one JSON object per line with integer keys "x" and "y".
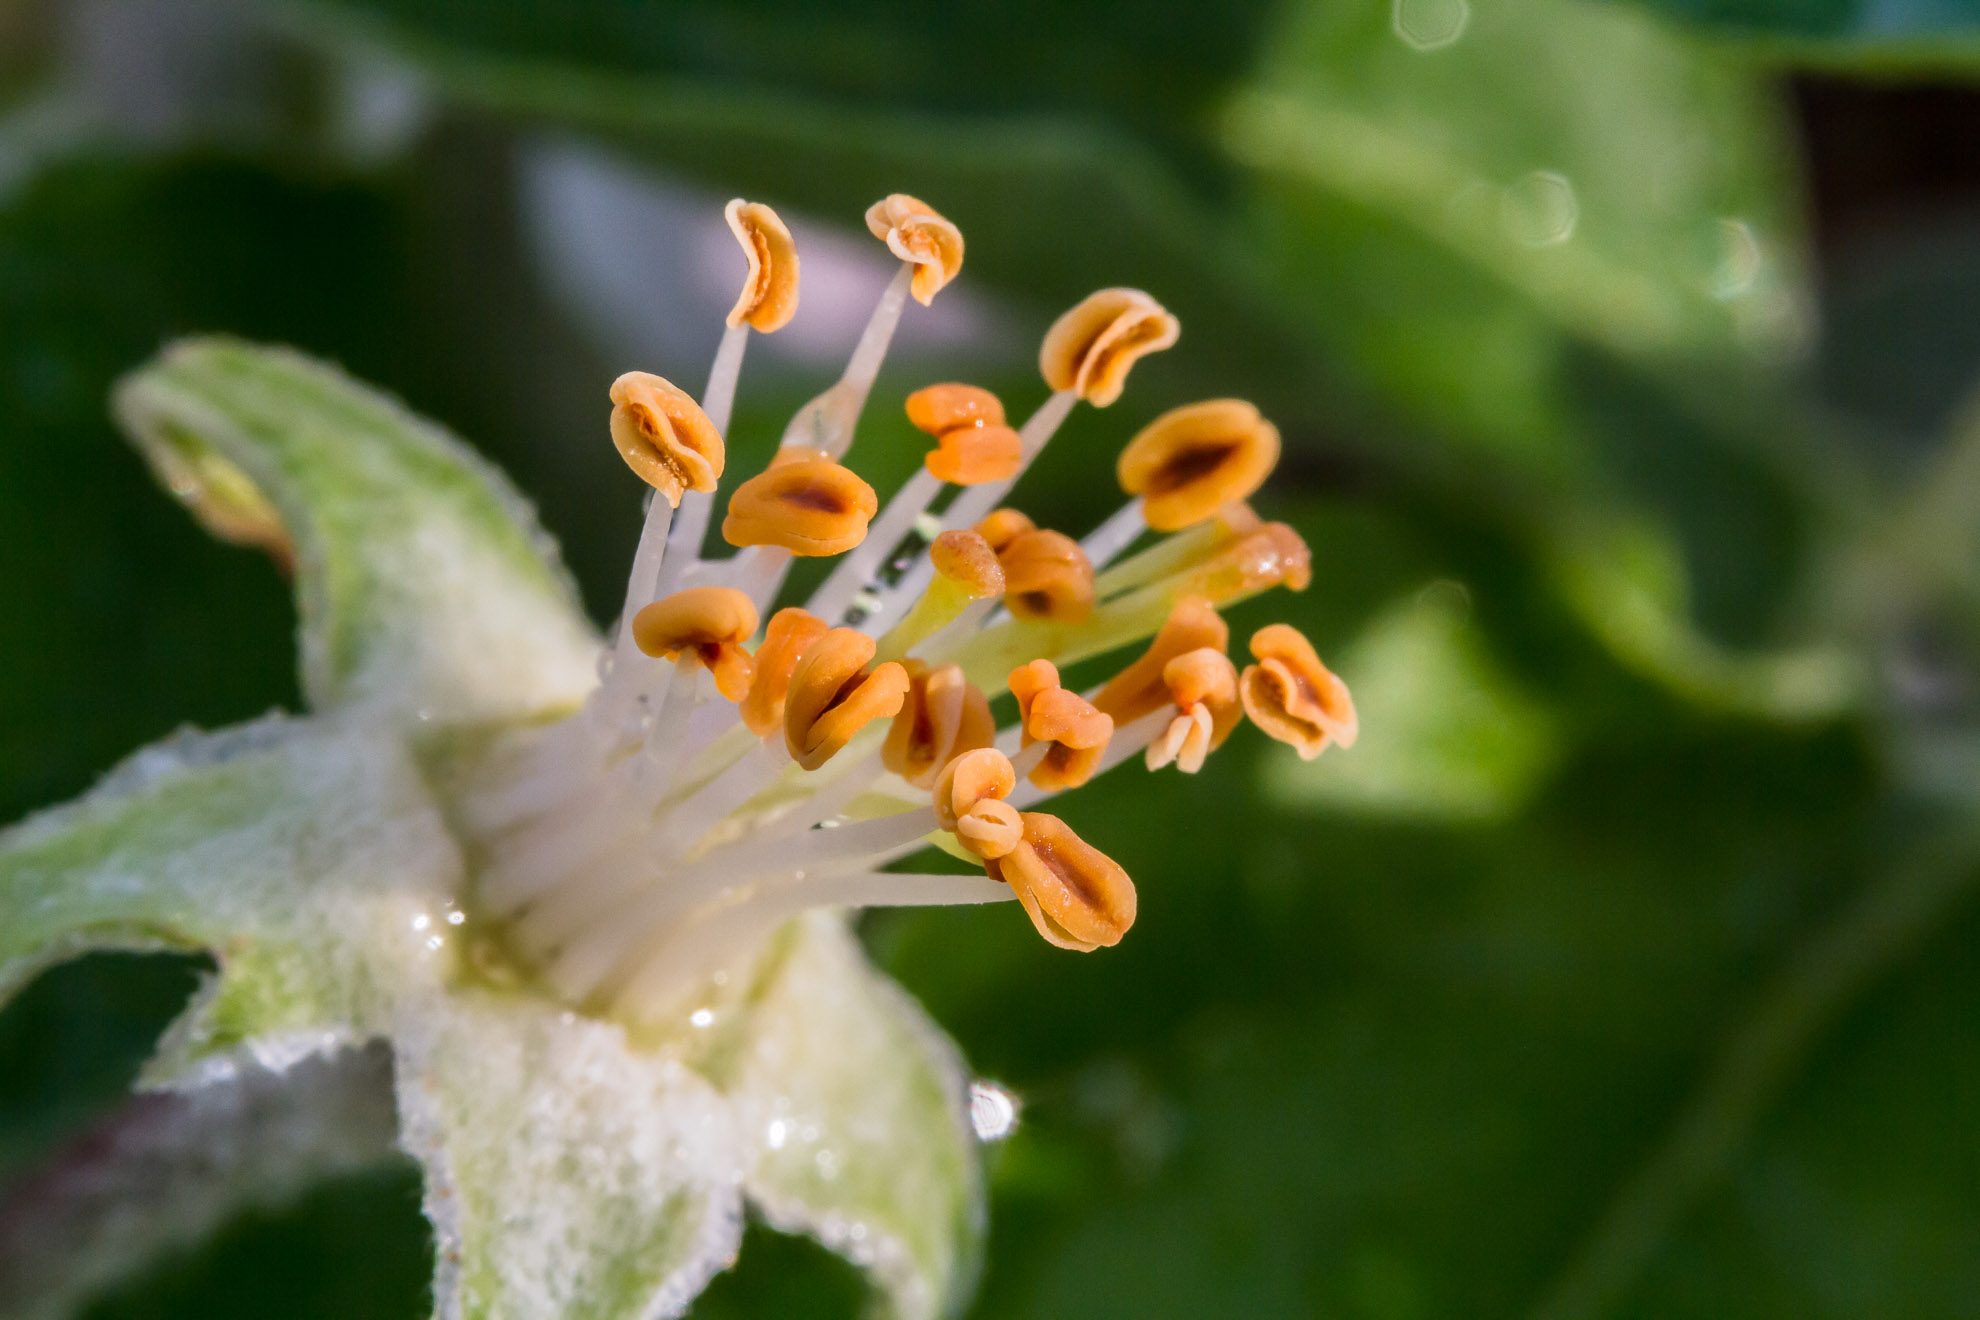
{"x": 701, "y": 1017}
{"x": 1540, "y": 210}
{"x": 993, "y": 1111}
{"x": 1430, "y": 24}
{"x": 421, "y": 921}
{"x": 777, "y": 1133}
{"x": 456, "y": 917}
{"x": 1739, "y": 260}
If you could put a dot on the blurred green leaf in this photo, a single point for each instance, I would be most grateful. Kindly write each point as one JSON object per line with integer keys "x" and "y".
{"x": 1445, "y": 735}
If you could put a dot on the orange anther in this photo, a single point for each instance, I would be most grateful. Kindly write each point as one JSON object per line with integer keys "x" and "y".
{"x": 807, "y": 505}
{"x": 1049, "y": 713}
{"x": 664, "y": 436}
{"x": 1076, "y": 896}
{"x": 1001, "y": 526}
{"x": 970, "y": 778}
{"x": 967, "y": 560}
{"x": 1204, "y": 686}
{"x": 974, "y": 444}
{"x": 1293, "y": 697}
{"x": 709, "y": 624}
{"x": 1140, "y": 688}
{"x": 1192, "y": 461}
{"x": 1046, "y": 576}
{"x": 1092, "y": 346}
{"x": 942, "y": 716}
{"x": 917, "y": 232}
{"x": 833, "y": 695}
{"x": 770, "y": 292}
{"x": 784, "y": 641}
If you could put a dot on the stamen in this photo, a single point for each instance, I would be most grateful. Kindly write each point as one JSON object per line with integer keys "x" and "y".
{"x": 769, "y": 295}
{"x": 804, "y": 502}
{"x": 967, "y": 570}
{"x": 943, "y": 716}
{"x": 1046, "y": 575}
{"x": 1048, "y": 713}
{"x": 664, "y": 436}
{"x": 1141, "y": 687}
{"x": 1204, "y": 687}
{"x": 1293, "y": 697}
{"x": 784, "y": 642}
{"x": 1091, "y": 348}
{"x": 969, "y": 802}
{"x": 1192, "y": 461}
{"x": 833, "y": 695}
{"x": 1272, "y": 555}
{"x": 973, "y": 444}
{"x": 918, "y": 234}
{"x": 702, "y": 625}
{"x": 1076, "y": 896}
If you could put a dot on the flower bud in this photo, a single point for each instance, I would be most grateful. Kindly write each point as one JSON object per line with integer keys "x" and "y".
{"x": 1192, "y": 461}
{"x": 917, "y": 232}
{"x": 770, "y": 292}
{"x": 664, "y": 436}
{"x": 805, "y": 504}
{"x": 1293, "y": 697}
{"x": 833, "y": 695}
{"x": 1092, "y": 346}
{"x": 708, "y": 623}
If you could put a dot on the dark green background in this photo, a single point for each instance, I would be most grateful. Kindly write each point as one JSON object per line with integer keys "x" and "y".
{"x": 1622, "y": 971}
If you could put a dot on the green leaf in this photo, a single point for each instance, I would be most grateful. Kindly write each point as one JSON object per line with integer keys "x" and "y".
{"x": 427, "y": 592}
{"x": 568, "y": 1176}
{"x": 1445, "y": 733}
{"x": 1866, "y": 36}
{"x": 852, "y": 1103}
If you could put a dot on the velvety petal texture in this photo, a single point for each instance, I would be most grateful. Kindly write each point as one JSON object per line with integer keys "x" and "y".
{"x": 426, "y": 590}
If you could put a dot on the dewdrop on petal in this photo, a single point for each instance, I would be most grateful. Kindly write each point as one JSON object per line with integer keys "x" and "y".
{"x": 833, "y": 695}
{"x": 803, "y": 502}
{"x": 1192, "y": 461}
{"x": 973, "y": 445}
{"x": 1078, "y": 897}
{"x": 770, "y": 292}
{"x": 708, "y": 624}
{"x": 1077, "y": 733}
{"x": 942, "y": 716}
{"x": 916, "y": 232}
{"x": 1293, "y": 697}
{"x": 664, "y": 436}
{"x": 1090, "y": 349}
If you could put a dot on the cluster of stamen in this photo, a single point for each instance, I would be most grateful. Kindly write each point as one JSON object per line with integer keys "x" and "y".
{"x": 719, "y": 781}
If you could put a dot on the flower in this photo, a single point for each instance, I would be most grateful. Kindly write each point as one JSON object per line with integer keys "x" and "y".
{"x": 591, "y": 893}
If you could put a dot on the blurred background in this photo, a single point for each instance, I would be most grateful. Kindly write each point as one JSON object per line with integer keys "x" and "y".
{"x": 1623, "y": 355}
